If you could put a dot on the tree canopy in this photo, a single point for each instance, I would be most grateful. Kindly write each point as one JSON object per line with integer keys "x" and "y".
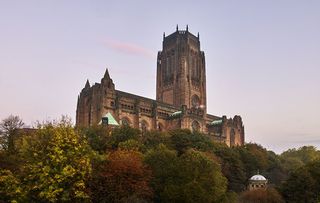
{"x": 56, "y": 162}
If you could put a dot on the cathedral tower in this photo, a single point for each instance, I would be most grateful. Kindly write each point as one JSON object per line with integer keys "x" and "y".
{"x": 181, "y": 75}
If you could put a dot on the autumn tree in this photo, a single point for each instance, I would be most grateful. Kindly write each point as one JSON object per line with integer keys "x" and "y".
{"x": 123, "y": 177}
{"x": 269, "y": 195}
{"x": 10, "y": 187}
{"x": 57, "y": 164}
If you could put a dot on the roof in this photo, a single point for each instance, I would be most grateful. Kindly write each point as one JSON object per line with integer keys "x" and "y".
{"x": 111, "y": 120}
{"x": 177, "y": 113}
{"x": 216, "y": 122}
{"x": 258, "y": 178}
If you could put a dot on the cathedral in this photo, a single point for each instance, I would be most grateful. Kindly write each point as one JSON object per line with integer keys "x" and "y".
{"x": 180, "y": 98}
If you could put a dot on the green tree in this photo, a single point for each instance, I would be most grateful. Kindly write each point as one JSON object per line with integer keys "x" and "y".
{"x": 57, "y": 164}
{"x": 152, "y": 139}
{"x": 202, "y": 180}
{"x": 123, "y": 134}
{"x": 294, "y": 158}
{"x": 98, "y": 136}
{"x": 9, "y": 132}
{"x": 192, "y": 177}
{"x": 166, "y": 174}
{"x": 184, "y": 139}
{"x": 232, "y": 167}
{"x": 300, "y": 187}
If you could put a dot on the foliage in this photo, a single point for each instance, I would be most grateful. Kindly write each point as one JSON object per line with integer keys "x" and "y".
{"x": 303, "y": 184}
{"x": 191, "y": 177}
{"x": 254, "y": 157}
{"x": 232, "y": 167}
{"x": 130, "y": 145}
{"x": 57, "y": 164}
{"x": 183, "y": 139}
{"x": 98, "y": 137}
{"x": 122, "y": 178}
{"x": 294, "y": 158}
{"x": 9, "y": 132}
{"x": 269, "y": 195}
{"x": 152, "y": 139}
{"x": 10, "y": 187}
{"x": 123, "y": 134}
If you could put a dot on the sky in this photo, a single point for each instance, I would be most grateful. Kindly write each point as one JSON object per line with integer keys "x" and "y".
{"x": 262, "y": 58}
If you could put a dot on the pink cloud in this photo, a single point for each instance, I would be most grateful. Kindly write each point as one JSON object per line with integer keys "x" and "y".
{"x": 129, "y": 48}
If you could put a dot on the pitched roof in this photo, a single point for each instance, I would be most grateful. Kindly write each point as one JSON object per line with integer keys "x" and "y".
{"x": 111, "y": 119}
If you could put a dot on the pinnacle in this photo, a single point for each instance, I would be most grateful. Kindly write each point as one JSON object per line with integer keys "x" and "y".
{"x": 87, "y": 84}
{"x": 106, "y": 74}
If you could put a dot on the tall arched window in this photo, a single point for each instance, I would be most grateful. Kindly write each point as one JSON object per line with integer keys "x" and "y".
{"x": 232, "y": 137}
{"x": 195, "y": 101}
{"x": 160, "y": 127}
{"x": 144, "y": 126}
{"x": 195, "y": 126}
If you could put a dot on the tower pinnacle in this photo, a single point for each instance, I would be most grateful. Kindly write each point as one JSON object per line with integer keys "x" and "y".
{"x": 87, "y": 84}
{"x": 106, "y": 74}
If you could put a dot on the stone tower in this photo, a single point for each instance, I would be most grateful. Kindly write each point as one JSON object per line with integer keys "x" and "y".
{"x": 181, "y": 75}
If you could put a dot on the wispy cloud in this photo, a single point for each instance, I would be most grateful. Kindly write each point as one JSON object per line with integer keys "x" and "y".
{"x": 129, "y": 48}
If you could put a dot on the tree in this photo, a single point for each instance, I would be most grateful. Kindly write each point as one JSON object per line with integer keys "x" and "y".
{"x": 300, "y": 187}
{"x": 123, "y": 134}
{"x": 232, "y": 167}
{"x": 183, "y": 139}
{"x": 98, "y": 137}
{"x": 10, "y": 187}
{"x": 201, "y": 177}
{"x": 57, "y": 164}
{"x": 166, "y": 174}
{"x": 192, "y": 177}
{"x": 269, "y": 195}
{"x": 9, "y": 132}
{"x": 294, "y": 158}
{"x": 151, "y": 139}
{"x": 123, "y": 177}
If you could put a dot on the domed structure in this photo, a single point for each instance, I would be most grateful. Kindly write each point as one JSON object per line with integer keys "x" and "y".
{"x": 257, "y": 182}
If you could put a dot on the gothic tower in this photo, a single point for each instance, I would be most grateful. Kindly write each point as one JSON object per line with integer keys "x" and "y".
{"x": 181, "y": 75}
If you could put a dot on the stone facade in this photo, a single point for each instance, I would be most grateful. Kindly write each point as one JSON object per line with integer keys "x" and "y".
{"x": 181, "y": 96}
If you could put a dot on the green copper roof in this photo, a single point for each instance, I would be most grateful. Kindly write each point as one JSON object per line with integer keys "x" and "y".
{"x": 110, "y": 119}
{"x": 177, "y": 113}
{"x": 216, "y": 122}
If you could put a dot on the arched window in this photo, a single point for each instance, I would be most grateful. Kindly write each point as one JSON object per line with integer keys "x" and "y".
{"x": 232, "y": 137}
{"x": 144, "y": 126}
{"x": 195, "y": 126}
{"x": 125, "y": 121}
{"x": 195, "y": 101}
{"x": 160, "y": 127}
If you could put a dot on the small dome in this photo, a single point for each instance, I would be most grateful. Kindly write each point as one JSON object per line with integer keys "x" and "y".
{"x": 258, "y": 177}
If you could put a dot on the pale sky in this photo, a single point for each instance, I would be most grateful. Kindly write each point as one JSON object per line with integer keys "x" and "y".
{"x": 262, "y": 58}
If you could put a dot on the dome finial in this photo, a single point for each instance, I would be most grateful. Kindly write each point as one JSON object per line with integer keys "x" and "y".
{"x": 258, "y": 172}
